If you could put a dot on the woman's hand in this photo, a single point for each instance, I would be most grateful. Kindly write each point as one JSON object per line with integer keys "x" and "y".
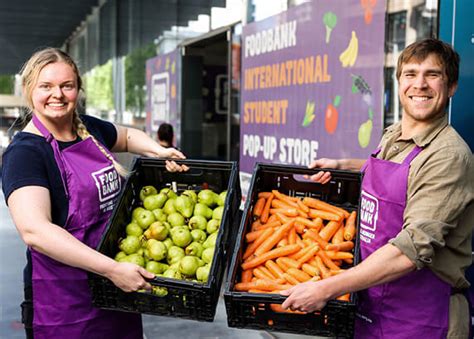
{"x": 130, "y": 277}
{"x": 323, "y": 177}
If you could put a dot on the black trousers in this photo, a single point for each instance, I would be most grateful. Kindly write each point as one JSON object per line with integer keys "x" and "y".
{"x": 27, "y": 311}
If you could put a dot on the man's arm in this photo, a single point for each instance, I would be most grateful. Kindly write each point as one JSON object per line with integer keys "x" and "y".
{"x": 384, "y": 265}
{"x": 342, "y": 164}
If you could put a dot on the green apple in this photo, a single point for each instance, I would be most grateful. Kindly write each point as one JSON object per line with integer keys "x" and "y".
{"x": 169, "y": 206}
{"x": 211, "y": 240}
{"x": 194, "y": 249}
{"x": 133, "y": 229}
{"x": 208, "y": 254}
{"x": 145, "y": 219}
{"x": 135, "y": 259}
{"x": 221, "y": 198}
{"x": 120, "y": 255}
{"x": 176, "y": 219}
{"x": 169, "y": 192}
{"x": 218, "y": 212}
{"x": 175, "y": 254}
{"x": 154, "y": 201}
{"x": 207, "y": 197}
{"x": 158, "y": 231}
{"x": 198, "y": 235}
{"x": 146, "y": 191}
{"x": 159, "y": 214}
{"x": 212, "y": 226}
{"x": 201, "y": 209}
{"x": 188, "y": 265}
{"x": 202, "y": 273}
{"x": 197, "y": 222}
{"x": 130, "y": 244}
{"x": 136, "y": 211}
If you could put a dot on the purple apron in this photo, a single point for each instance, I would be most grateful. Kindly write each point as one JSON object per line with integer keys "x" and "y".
{"x": 62, "y": 301}
{"x": 417, "y": 304}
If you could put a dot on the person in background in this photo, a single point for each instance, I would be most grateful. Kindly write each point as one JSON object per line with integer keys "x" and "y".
{"x": 416, "y": 244}
{"x": 61, "y": 181}
{"x": 166, "y": 135}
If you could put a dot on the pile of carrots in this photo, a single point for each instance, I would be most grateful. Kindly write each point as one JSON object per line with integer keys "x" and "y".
{"x": 293, "y": 240}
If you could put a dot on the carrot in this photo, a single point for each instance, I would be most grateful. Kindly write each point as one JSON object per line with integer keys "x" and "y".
{"x": 275, "y": 253}
{"x": 255, "y": 225}
{"x": 321, "y": 205}
{"x": 325, "y": 273}
{"x": 273, "y": 239}
{"x": 300, "y": 253}
{"x": 282, "y": 242}
{"x": 302, "y": 206}
{"x": 302, "y": 214}
{"x": 269, "y": 224}
{"x": 266, "y": 209}
{"x": 260, "y": 284}
{"x": 292, "y": 236}
{"x": 349, "y": 229}
{"x": 274, "y": 268}
{"x": 257, "y": 272}
{"x": 333, "y": 255}
{"x": 276, "y": 203}
{"x": 315, "y": 236}
{"x": 342, "y": 246}
{"x": 299, "y": 241}
{"x": 313, "y": 213}
{"x": 254, "y": 290}
{"x": 247, "y": 275}
{"x": 277, "y": 308}
{"x": 335, "y": 272}
{"x": 327, "y": 261}
{"x": 338, "y": 237}
{"x": 257, "y": 243}
{"x": 315, "y": 278}
{"x": 311, "y": 270}
{"x": 290, "y": 279}
{"x": 288, "y": 262}
{"x": 307, "y": 222}
{"x": 282, "y": 218}
{"x": 285, "y": 198}
{"x": 251, "y": 236}
{"x": 281, "y": 263}
{"x": 348, "y": 261}
{"x": 328, "y": 231}
{"x": 258, "y": 207}
{"x": 289, "y": 212}
{"x": 299, "y": 275}
{"x": 308, "y": 255}
{"x": 344, "y": 297}
{"x": 265, "y": 195}
{"x": 299, "y": 227}
{"x": 273, "y": 218}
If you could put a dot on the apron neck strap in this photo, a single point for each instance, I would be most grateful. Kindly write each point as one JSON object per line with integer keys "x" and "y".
{"x": 43, "y": 130}
{"x": 415, "y": 151}
{"x": 373, "y": 155}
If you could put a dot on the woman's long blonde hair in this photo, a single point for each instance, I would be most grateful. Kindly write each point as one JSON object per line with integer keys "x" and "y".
{"x": 29, "y": 76}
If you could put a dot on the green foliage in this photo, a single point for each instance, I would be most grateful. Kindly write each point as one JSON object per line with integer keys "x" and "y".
{"x": 98, "y": 87}
{"x": 135, "y": 70}
{"x": 7, "y": 84}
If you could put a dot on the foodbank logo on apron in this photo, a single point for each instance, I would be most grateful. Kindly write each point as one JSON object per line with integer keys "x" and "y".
{"x": 369, "y": 208}
{"x": 108, "y": 185}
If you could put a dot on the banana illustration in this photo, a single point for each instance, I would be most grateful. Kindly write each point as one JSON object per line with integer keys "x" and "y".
{"x": 349, "y": 56}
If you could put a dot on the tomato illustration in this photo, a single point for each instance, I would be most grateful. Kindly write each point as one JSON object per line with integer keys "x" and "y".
{"x": 332, "y": 115}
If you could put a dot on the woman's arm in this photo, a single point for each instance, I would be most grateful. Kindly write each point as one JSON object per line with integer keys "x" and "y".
{"x": 37, "y": 231}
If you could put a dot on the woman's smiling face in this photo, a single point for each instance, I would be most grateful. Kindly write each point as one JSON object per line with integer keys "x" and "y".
{"x": 423, "y": 89}
{"x": 56, "y": 91}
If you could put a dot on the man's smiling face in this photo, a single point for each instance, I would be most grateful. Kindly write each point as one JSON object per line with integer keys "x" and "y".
{"x": 423, "y": 89}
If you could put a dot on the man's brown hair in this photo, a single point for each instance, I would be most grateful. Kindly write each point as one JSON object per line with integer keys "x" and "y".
{"x": 420, "y": 50}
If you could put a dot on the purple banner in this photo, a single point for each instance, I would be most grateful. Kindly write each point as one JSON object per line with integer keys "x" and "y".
{"x": 312, "y": 83}
{"x": 162, "y": 90}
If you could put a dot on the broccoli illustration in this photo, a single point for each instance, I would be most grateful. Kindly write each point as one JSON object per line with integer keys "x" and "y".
{"x": 330, "y": 21}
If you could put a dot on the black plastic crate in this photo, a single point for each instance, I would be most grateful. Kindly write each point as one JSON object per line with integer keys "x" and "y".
{"x": 185, "y": 299}
{"x": 252, "y": 310}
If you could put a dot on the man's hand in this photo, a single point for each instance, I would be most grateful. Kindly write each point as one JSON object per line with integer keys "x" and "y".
{"x": 323, "y": 177}
{"x": 305, "y": 297}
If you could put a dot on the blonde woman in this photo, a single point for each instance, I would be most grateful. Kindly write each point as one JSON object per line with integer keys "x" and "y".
{"x": 53, "y": 172}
